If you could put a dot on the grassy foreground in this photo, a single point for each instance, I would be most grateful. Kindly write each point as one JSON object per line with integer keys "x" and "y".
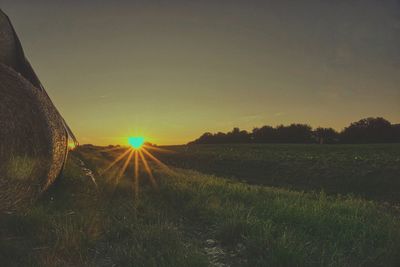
{"x": 193, "y": 219}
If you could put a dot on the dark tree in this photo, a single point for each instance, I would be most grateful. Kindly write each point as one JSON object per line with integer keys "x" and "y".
{"x": 369, "y": 130}
{"x": 219, "y": 138}
{"x": 265, "y": 134}
{"x": 326, "y": 136}
{"x": 238, "y": 136}
{"x": 294, "y": 133}
{"x": 396, "y": 132}
{"x": 206, "y": 138}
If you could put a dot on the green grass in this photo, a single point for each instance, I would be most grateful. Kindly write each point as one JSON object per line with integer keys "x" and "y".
{"x": 368, "y": 171}
{"x": 191, "y": 214}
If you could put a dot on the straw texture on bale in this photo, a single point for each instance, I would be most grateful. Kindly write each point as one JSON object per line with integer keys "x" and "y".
{"x": 33, "y": 135}
{"x": 33, "y": 141}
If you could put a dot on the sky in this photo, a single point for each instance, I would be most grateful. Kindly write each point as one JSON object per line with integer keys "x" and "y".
{"x": 172, "y": 70}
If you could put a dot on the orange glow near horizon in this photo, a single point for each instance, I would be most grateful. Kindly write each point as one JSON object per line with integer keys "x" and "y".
{"x": 71, "y": 145}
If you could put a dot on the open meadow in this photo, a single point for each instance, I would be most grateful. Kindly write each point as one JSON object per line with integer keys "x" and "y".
{"x": 289, "y": 112}
{"x": 240, "y": 205}
{"x": 370, "y": 171}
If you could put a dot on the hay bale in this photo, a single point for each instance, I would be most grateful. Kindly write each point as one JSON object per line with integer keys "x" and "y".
{"x": 33, "y": 141}
{"x": 12, "y": 54}
{"x": 33, "y": 135}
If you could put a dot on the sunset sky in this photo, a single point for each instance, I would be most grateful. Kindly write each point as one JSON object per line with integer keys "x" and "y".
{"x": 172, "y": 70}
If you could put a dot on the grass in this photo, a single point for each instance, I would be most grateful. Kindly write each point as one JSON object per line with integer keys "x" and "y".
{"x": 368, "y": 171}
{"x": 194, "y": 219}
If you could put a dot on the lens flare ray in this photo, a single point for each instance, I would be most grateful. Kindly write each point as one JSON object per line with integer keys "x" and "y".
{"x": 123, "y": 169}
{"x": 136, "y": 155}
{"x": 116, "y": 161}
{"x": 156, "y": 160}
{"x": 148, "y": 170}
{"x": 136, "y": 177}
{"x": 162, "y": 150}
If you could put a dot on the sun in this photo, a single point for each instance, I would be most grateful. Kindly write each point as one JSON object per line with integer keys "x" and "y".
{"x": 136, "y": 142}
{"x": 138, "y": 156}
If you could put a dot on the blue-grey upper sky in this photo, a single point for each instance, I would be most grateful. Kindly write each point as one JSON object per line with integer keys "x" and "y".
{"x": 171, "y": 70}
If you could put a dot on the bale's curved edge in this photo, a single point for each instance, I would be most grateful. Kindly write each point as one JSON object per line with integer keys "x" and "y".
{"x": 33, "y": 141}
{"x": 12, "y": 53}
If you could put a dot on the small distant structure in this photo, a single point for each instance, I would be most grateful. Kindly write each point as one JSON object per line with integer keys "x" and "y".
{"x": 33, "y": 135}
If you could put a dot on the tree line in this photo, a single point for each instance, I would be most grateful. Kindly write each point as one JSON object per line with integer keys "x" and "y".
{"x": 368, "y": 130}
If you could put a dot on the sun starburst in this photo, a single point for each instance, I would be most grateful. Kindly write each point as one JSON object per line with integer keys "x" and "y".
{"x": 136, "y": 155}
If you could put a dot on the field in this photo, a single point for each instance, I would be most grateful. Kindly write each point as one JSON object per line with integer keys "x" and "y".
{"x": 368, "y": 171}
{"x": 241, "y": 205}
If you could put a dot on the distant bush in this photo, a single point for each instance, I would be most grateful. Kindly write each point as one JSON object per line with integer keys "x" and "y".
{"x": 369, "y": 130}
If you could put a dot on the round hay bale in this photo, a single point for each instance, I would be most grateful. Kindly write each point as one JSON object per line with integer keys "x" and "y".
{"x": 33, "y": 141}
{"x": 11, "y": 52}
{"x": 8, "y": 43}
